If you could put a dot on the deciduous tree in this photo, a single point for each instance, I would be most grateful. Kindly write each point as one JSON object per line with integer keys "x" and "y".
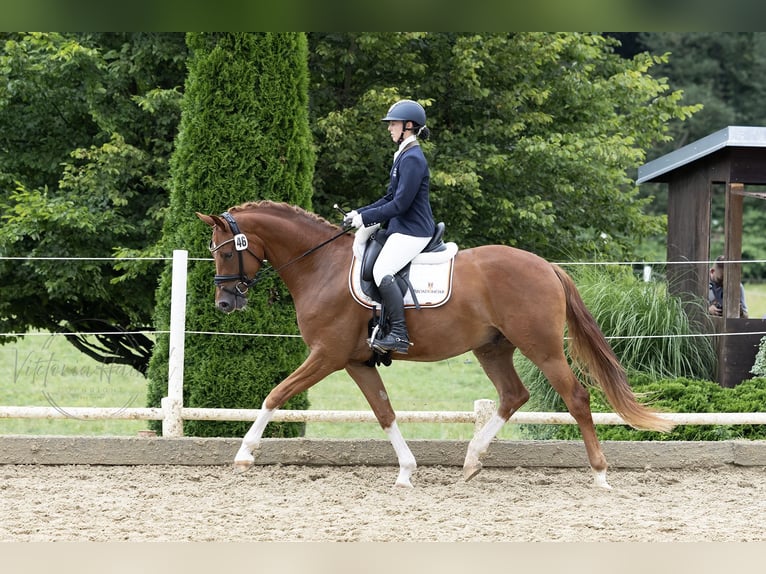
{"x": 533, "y": 134}
{"x": 87, "y": 122}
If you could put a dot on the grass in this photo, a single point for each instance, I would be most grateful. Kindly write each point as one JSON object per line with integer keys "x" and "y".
{"x": 45, "y": 370}
{"x": 631, "y": 309}
{"x": 451, "y": 385}
{"x": 755, "y": 297}
{"x": 42, "y": 369}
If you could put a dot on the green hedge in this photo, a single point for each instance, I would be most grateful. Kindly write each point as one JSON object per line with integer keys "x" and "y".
{"x": 679, "y": 395}
{"x": 244, "y": 136}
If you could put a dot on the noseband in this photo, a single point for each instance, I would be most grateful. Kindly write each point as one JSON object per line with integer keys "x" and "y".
{"x": 240, "y": 244}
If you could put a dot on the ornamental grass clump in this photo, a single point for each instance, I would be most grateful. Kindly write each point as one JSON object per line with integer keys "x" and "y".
{"x": 646, "y": 326}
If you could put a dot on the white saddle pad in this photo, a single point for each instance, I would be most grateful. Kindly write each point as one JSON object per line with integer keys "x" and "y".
{"x": 430, "y": 275}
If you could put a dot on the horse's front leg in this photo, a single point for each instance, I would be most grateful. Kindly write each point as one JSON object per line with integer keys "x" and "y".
{"x": 314, "y": 369}
{"x": 244, "y": 458}
{"x": 369, "y": 382}
{"x": 407, "y": 464}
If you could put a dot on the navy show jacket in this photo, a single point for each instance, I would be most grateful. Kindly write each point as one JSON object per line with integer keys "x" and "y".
{"x": 406, "y": 207}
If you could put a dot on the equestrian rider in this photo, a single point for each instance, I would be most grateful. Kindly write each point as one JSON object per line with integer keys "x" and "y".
{"x": 405, "y": 211}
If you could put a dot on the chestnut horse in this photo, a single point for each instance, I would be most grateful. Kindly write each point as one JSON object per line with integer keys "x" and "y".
{"x": 503, "y": 299}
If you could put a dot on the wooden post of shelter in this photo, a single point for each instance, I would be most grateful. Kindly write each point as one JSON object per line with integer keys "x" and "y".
{"x": 733, "y": 157}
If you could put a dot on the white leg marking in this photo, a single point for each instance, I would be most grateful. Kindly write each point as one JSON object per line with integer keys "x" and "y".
{"x": 600, "y": 479}
{"x": 479, "y": 445}
{"x": 407, "y": 464}
{"x": 252, "y": 439}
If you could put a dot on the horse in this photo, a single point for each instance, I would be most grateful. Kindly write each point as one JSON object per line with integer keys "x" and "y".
{"x": 503, "y": 299}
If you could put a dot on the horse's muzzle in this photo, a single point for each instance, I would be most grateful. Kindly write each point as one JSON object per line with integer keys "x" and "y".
{"x": 229, "y": 302}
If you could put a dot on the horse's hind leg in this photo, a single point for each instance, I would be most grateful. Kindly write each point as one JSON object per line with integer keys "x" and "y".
{"x": 577, "y": 399}
{"x": 369, "y": 382}
{"x": 496, "y": 359}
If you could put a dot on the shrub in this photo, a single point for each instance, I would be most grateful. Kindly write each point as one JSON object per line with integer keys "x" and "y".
{"x": 679, "y": 395}
{"x": 244, "y": 135}
{"x": 759, "y": 367}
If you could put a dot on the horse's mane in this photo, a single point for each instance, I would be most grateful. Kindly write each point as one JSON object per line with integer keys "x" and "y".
{"x": 282, "y": 206}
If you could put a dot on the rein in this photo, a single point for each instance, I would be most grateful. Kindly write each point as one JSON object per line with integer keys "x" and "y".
{"x": 241, "y": 244}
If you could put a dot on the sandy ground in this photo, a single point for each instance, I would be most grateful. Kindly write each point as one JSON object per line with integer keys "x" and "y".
{"x": 336, "y": 504}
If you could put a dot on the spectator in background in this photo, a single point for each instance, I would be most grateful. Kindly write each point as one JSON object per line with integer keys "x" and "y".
{"x": 715, "y": 291}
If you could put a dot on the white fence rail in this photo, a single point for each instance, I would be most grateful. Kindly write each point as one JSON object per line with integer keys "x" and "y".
{"x": 172, "y": 413}
{"x": 482, "y": 408}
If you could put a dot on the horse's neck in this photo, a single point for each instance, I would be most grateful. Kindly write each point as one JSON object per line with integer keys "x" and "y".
{"x": 288, "y": 237}
{"x": 284, "y": 239}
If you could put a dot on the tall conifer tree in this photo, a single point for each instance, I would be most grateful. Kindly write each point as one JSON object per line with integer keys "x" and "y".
{"x": 244, "y": 136}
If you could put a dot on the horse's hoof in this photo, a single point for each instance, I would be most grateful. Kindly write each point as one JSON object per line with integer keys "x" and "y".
{"x": 403, "y": 481}
{"x": 241, "y": 466}
{"x": 470, "y": 471}
{"x": 405, "y": 473}
{"x": 599, "y": 477}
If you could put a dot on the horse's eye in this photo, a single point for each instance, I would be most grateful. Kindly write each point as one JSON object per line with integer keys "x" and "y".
{"x": 227, "y": 254}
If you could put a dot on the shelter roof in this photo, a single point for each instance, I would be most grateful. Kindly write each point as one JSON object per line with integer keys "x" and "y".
{"x": 731, "y": 136}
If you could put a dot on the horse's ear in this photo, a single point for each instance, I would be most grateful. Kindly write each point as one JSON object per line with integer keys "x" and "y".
{"x": 211, "y": 220}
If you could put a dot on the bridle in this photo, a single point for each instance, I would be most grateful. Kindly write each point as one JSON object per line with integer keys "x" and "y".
{"x": 242, "y": 244}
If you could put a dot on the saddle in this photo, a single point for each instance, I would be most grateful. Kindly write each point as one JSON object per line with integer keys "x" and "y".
{"x": 372, "y": 250}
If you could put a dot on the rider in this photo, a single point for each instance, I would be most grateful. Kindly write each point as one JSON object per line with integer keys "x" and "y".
{"x": 406, "y": 213}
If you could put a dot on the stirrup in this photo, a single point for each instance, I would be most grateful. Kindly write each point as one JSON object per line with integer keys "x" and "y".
{"x": 399, "y": 345}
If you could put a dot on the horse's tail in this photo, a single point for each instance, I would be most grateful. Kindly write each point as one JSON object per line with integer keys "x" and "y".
{"x": 589, "y": 349}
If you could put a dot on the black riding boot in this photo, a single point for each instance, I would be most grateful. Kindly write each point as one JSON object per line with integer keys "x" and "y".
{"x": 397, "y": 339}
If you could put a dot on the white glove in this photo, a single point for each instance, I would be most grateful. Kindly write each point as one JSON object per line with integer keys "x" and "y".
{"x": 353, "y": 218}
{"x": 349, "y": 217}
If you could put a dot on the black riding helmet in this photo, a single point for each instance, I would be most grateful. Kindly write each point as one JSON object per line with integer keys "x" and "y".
{"x": 406, "y": 110}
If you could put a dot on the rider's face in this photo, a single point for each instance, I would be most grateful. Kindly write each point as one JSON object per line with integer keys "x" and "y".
{"x": 395, "y": 128}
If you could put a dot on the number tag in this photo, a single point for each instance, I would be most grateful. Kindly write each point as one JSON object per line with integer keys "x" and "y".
{"x": 240, "y": 241}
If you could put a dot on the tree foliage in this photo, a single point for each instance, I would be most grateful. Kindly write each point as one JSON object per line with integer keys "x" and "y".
{"x": 87, "y": 123}
{"x": 534, "y": 138}
{"x": 724, "y": 72}
{"x": 244, "y": 136}
{"x": 533, "y": 134}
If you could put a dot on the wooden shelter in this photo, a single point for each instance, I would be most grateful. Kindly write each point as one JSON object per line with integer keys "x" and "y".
{"x": 728, "y": 160}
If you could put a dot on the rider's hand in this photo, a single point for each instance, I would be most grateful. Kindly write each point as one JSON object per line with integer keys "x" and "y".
{"x": 349, "y": 217}
{"x": 353, "y": 218}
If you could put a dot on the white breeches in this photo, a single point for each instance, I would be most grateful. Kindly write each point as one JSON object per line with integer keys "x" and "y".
{"x": 399, "y": 250}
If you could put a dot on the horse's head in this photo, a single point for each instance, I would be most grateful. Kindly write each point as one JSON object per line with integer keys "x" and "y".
{"x": 236, "y": 262}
